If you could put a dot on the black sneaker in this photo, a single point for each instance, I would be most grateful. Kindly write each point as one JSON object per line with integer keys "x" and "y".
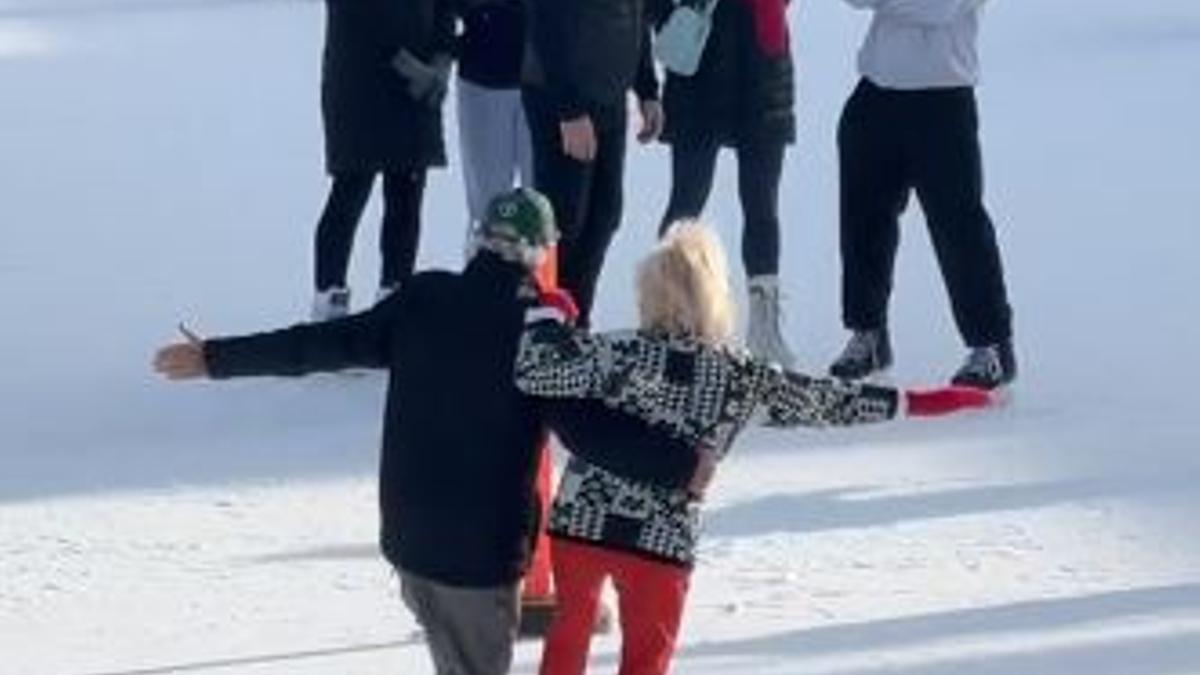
{"x": 988, "y": 367}
{"x": 866, "y": 353}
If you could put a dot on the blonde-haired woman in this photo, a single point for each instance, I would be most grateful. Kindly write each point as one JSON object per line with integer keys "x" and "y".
{"x": 675, "y": 381}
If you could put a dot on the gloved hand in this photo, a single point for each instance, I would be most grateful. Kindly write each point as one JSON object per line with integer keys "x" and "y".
{"x": 427, "y": 82}
{"x": 560, "y": 300}
{"x": 945, "y": 400}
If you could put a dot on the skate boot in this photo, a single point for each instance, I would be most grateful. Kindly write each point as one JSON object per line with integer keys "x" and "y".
{"x": 988, "y": 367}
{"x": 867, "y": 353}
{"x": 763, "y": 336}
{"x": 331, "y": 303}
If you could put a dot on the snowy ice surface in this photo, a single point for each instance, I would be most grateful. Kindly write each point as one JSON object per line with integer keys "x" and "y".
{"x": 160, "y": 160}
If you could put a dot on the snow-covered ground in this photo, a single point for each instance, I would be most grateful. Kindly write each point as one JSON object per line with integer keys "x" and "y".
{"x": 160, "y": 161}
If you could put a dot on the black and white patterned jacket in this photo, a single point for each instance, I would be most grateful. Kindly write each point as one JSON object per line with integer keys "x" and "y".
{"x": 702, "y": 393}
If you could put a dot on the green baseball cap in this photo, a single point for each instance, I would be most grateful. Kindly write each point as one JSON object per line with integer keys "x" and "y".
{"x": 519, "y": 225}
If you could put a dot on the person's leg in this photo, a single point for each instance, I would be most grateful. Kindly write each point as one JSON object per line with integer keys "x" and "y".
{"x": 334, "y": 238}
{"x": 579, "y": 575}
{"x": 403, "y": 193}
{"x": 760, "y": 168}
{"x": 564, "y": 181}
{"x": 470, "y": 631}
{"x": 949, "y": 183}
{"x": 693, "y": 165}
{"x": 486, "y": 144}
{"x": 873, "y": 194}
{"x": 582, "y": 255}
{"x": 651, "y": 597}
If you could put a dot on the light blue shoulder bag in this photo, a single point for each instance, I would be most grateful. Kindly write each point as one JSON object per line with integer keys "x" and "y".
{"x": 679, "y": 45}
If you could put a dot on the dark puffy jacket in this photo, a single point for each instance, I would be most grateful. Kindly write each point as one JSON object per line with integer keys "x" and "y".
{"x": 740, "y": 94}
{"x": 589, "y": 53}
{"x": 460, "y": 442}
{"x": 371, "y": 122}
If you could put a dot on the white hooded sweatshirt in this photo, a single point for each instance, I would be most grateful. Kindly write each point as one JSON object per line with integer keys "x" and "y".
{"x": 921, "y": 44}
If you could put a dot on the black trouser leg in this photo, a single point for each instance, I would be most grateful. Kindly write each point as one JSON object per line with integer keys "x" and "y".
{"x": 693, "y": 165}
{"x": 334, "y": 238}
{"x": 560, "y": 178}
{"x": 403, "y": 193}
{"x": 583, "y": 257}
{"x": 948, "y": 173}
{"x": 873, "y": 194}
{"x": 587, "y": 196}
{"x": 760, "y": 168}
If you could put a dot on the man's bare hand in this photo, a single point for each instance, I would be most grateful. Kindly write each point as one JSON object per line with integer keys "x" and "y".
{"x": 653, "y": 119}
{"x": 182, "y": 360}
{"x": 579, "y": 138}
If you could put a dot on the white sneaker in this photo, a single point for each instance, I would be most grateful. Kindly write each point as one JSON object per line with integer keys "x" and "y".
{"x": 332, "y": 303}
{"x": 763, "y": 337}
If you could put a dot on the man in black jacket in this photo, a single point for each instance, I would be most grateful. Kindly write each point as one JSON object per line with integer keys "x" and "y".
{"x": 460, "y": 442}
{"x": 581, "y": 59}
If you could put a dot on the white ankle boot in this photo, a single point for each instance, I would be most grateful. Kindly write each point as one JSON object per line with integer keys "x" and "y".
{"x": 763, "y": 336}
{"x": 332, "y": 303}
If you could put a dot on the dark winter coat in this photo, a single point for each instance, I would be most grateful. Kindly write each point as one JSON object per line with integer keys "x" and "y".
{"x": 741, "y": 93}
{"x": 460, "y": 442}
{"x": 371, "y": 122}
{"x": 587, "y": 54}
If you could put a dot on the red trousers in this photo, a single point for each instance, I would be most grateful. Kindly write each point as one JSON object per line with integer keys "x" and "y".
{"x": 650, "y": 597}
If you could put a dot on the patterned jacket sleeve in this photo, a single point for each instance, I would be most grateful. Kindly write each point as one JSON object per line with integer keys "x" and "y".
{"x": 556, "y": 361}
{"x": 791, "y": 399}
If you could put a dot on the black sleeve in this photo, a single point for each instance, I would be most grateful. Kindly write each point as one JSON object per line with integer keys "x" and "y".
{"x": 360, "y": 340}
{"x": 646, "y": 85}
{"x": 620, "y": 443}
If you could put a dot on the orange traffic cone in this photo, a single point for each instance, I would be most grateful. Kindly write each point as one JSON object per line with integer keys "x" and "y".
{"x": 538, "y": 601}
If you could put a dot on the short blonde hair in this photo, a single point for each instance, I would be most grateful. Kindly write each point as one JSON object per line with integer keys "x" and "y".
{"x": 683, "y": 285}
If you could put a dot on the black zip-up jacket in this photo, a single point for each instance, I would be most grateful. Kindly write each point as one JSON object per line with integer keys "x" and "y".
{"x": 587, "y": 54}
{"x": 460, "y": 442}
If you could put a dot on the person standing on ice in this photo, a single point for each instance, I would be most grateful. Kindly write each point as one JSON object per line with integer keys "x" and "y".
{"x": 460, "y": 442}
{"x": 383, "y": 79}
{"x": 912, "y": 125}
{"x": 634, "y": 517}
{"x": 740, "y": 97}
{"x": 582, "y": 57}
{"x": 493, "y": 136}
